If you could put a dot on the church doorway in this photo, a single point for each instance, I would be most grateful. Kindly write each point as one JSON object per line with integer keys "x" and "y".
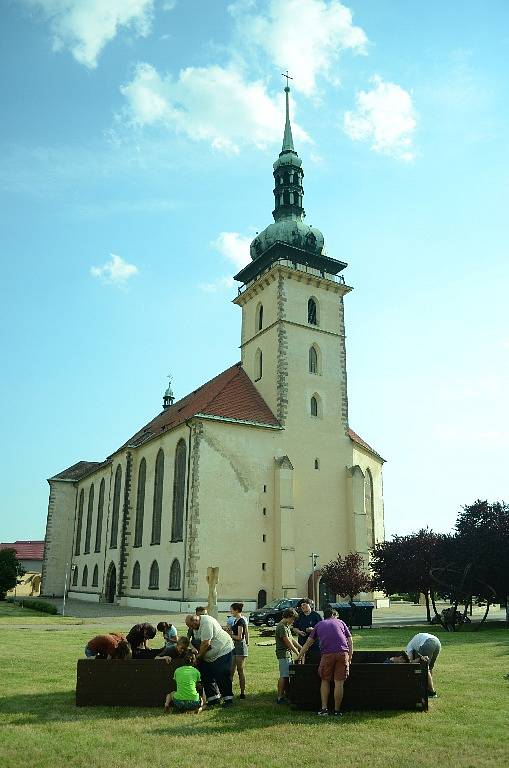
{"x": 325, "y": 595}
{"x": 262, "y": 599}
{"x": 111, "y": 584}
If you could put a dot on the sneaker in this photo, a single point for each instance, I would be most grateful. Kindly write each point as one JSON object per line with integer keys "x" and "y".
{"x": 282, "y": 701}
{"x": 432, "y": 695}
{"x": 323, "y": 712}
{"x": 227, "y": 703}
{"x": 337, "y": 713}
{"x": 242, "y": 696}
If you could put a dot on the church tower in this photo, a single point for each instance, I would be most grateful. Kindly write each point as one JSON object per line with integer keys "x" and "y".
{"x": 293, "y": 341}
{"x": 293, "y": 349}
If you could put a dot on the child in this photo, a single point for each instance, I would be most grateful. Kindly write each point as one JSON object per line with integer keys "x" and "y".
{"x": 169, "y": 633}
{"x": 285, "y": 646}
{"x": 187, "y": 697}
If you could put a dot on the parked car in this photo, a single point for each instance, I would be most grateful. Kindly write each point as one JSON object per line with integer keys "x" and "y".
{"x": 271, "y": 613}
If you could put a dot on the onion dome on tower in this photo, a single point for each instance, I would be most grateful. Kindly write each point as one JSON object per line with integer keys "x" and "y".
{"x": 288, "y": 210}
{"x": 288, "y": 237}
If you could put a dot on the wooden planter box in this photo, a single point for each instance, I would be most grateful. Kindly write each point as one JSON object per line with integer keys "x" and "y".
{"x": 123, "y": 683}
{"x": 371, "y": 685}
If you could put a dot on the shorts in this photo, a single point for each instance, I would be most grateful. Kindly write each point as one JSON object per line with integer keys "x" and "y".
{"x": 240, "y": 648}
{"x": 430, "y": 648}
{"x": 186, "y": 706}
{"x": 335, "y": 665}
{"x": 284, "y": 667}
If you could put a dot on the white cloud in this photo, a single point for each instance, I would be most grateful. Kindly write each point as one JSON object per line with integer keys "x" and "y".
{"x": 304, "y": 36}
{"x": 85, "y": 26}
{"x": 234, "y": 248}
{"x": 115, "y": 271}
{"x": 212, "y": 104}
{"x": 385, "y": 116}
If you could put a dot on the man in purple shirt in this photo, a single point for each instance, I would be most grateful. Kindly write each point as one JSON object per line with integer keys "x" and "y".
{"x": 335, "y": 656}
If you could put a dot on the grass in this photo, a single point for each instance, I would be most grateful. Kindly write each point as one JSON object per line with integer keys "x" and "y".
{"x": 466, "y": 726}
{"x": 11, "y": 613}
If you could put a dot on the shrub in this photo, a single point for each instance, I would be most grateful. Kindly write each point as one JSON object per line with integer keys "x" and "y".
{"x": 37, "y": 605}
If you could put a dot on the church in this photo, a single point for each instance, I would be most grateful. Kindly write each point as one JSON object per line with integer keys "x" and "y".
{"x": 257, "y": 471}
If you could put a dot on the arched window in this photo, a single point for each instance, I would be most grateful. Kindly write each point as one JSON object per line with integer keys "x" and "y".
{"x": 179, "y": 492}
{"x": 153, "y": 581}
{"x": 90, "y": 512}
{"x": 99, "y": 524}
{"x": 157, "y": 509}
{"x": 261, "y": 600}
{"x": 369, "y": 508}
{"x": 312, "y": 313}
{"x": 84, "y": 578}
{"x": 75, "y": 576}
{"x": 286, "y": 197}
{"x": 140, "y": 504}
{"x": 174, "y": 575}
{"x": 95, "y": 576}
{"x": 259, "y": 317}
{"x": 258, "y": 365}
{"x": 77, "y": 546}
{"x": 116, "y": 508}
{"x": 317, "y": 464}
{"x": 135, "y": 580}
{"x": 313, "y": 360}
{"x": 315, "y": 406}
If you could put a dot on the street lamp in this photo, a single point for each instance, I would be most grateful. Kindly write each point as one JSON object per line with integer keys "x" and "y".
{"x": 314, "y": 557}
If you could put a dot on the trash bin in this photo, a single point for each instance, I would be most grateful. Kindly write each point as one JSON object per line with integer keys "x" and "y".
{"x": 362, "y": 614}
{"x": 344, "y": 611}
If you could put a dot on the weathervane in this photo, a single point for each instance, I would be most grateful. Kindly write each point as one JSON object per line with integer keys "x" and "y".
{"x": 288, "y": 77}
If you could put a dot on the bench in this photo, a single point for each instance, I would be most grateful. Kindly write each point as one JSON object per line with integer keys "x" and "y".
{"x": 123, "y": 682}
{"x": 371, "y": 685}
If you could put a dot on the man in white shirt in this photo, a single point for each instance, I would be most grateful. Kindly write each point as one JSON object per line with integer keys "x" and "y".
{"x": 214, "y": 657}
{"x": 422, "y": 646}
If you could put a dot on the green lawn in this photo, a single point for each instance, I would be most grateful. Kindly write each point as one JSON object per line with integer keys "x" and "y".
{"x": 15, "y": 614}
{"x": 41, "y": 727}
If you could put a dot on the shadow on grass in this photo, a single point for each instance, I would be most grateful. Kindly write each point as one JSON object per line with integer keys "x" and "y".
{"x": 259, "y": 710}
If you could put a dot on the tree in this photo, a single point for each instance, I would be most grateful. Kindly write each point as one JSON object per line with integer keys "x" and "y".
{"x": 482, "y": 530}
{"x": 11, "y": 571}
{"x": 403, "y": 564}
{"x": 346, "y": 576}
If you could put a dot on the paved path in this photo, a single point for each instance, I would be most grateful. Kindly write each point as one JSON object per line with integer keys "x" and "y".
{"x": 102, "y": 616}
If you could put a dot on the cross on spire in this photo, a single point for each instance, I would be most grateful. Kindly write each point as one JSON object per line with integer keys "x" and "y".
{"x": 288, "y": 77}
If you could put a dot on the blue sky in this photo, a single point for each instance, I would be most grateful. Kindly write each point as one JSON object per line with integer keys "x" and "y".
{"x": 137, "y": 138}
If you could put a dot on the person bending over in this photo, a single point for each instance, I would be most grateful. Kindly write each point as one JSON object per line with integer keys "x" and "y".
{"x": 422, "y": 647}
{"x": 111, "y": 646}
{"x": 137, "y": 638}
{"x": 214, "y": 657}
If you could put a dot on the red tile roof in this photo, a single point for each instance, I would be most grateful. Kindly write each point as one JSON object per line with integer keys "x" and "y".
{"x": 355, "y": 437}
{"x": 230, "y": 395}
{"x": 26, "y": 550}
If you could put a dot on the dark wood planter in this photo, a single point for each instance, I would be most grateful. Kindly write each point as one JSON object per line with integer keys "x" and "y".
{"x": 123, "y": 683}
{"x": 371, "y": 685}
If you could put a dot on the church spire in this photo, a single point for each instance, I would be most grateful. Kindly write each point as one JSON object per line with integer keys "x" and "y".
{"x": 287, "y": 138}
{"x": 288, "y": 173}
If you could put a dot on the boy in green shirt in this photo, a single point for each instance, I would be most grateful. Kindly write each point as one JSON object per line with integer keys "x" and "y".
{"x": 187, "y": 697}
{"x": 285, "y": 646}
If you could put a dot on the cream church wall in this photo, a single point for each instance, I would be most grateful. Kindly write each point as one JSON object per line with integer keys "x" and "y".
{"x": 93, "y": 558}
{"x": 59, "y": 537}
{"x": 167, "y": 550}
{"x": 238, "y": 459}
